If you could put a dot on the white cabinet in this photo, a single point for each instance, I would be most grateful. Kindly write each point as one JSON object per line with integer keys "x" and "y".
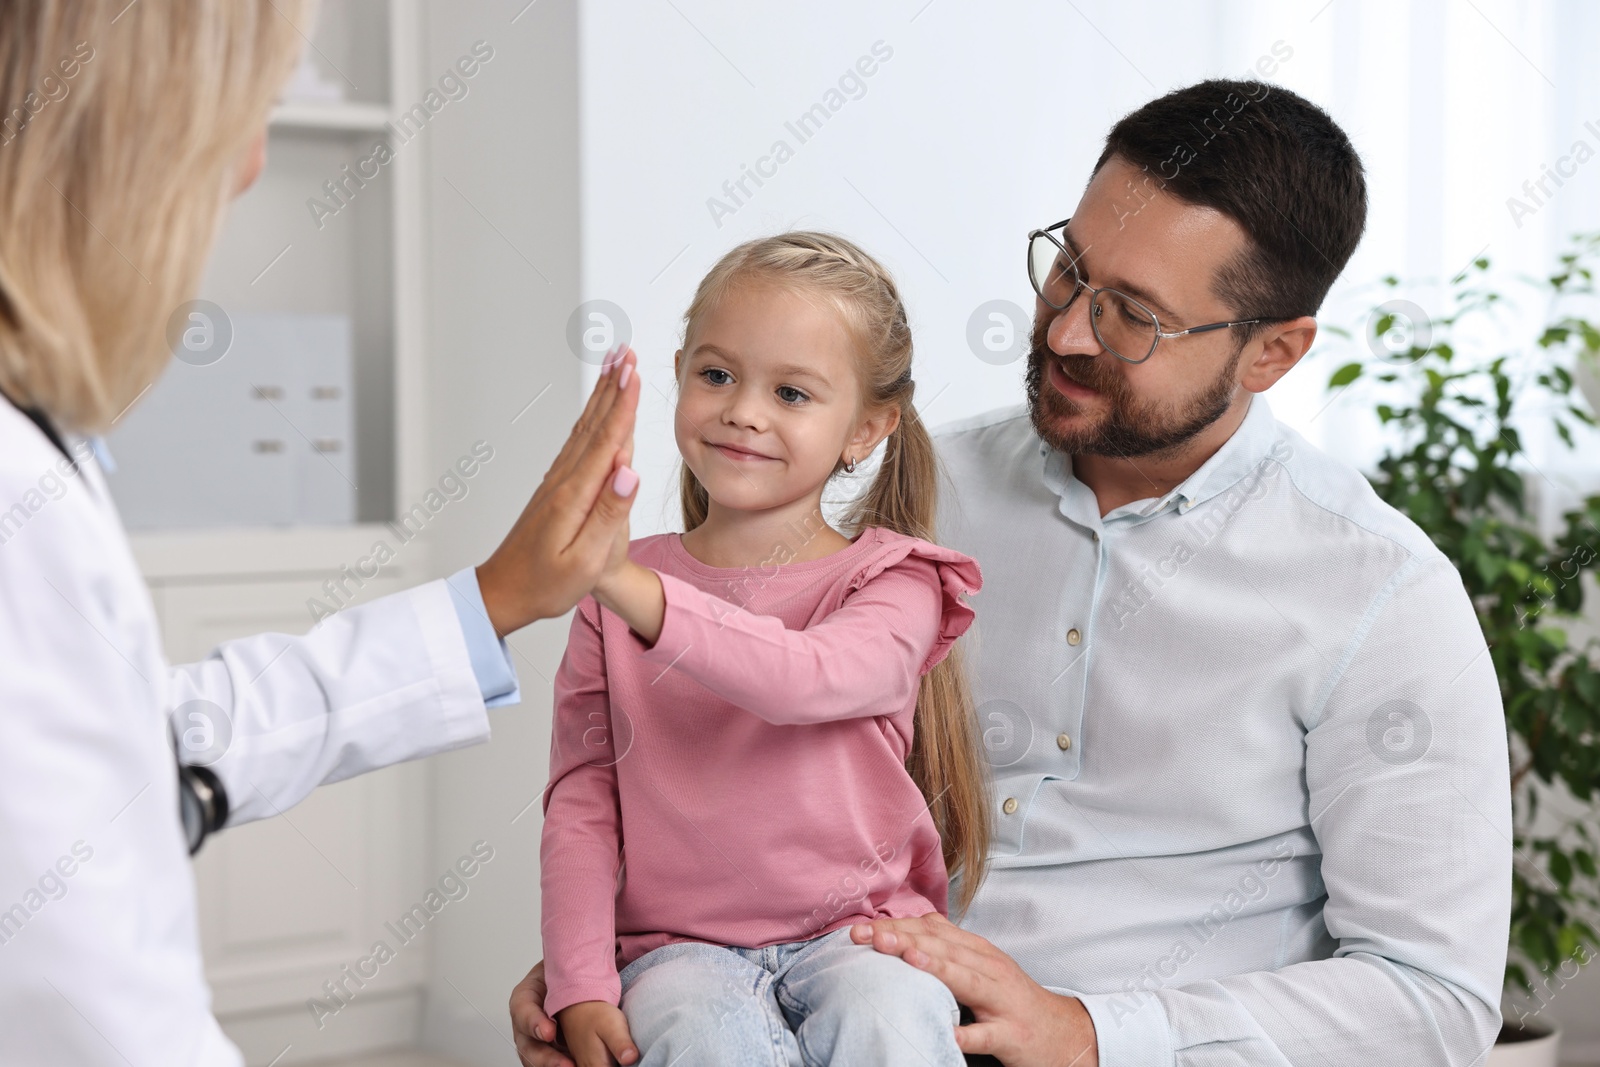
{"x": 262, "y": 436}
{"x": 290, "y": 907}
{"x": 287, "y": 904}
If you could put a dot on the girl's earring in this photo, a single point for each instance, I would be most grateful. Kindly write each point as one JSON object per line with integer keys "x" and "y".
{"x": 850, "y": 467}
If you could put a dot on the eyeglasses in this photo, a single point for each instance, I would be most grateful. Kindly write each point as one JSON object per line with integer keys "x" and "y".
{"x": 1123, "y": 326}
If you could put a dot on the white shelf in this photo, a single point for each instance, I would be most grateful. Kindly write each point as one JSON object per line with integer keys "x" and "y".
{"x": 307, "y": 115}
{"x": 373, "y": 46}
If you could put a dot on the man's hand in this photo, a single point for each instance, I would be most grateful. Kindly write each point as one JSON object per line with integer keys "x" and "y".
{"x": 535, "y": 1031}
{"x": 569, "y": 530}
{"x": 597, "y": 1031}
{"x": 1020, "y": 1022}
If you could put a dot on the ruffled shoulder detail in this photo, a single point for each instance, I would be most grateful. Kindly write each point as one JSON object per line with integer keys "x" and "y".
{"x": 958, "y": 573}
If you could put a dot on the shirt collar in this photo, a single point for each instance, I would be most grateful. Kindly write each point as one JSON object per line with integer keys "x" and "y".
{"x": 1240, "y": 454}
{"x": 102, "y": 454}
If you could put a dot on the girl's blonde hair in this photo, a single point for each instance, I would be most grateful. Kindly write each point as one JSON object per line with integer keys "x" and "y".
{"x": 946, "y": 760}
{"x": 122, "y": 127}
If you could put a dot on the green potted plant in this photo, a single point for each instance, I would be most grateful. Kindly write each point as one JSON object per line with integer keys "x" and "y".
{"x": 1453, "y": 462}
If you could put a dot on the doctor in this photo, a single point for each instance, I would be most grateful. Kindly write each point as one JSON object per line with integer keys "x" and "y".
{"x": 124, "y": 131}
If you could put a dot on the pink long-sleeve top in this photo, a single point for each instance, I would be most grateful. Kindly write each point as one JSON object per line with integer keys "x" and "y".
{"x": 742, "y": 781}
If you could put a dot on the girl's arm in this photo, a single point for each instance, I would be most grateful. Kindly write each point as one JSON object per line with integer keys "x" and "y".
{"x": 864, "y": 659}
{"x": 581, "y": 843}
{"x": 634, "y": 593}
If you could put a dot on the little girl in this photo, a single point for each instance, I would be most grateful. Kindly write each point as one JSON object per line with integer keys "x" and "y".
{"x": 761, "y": 735}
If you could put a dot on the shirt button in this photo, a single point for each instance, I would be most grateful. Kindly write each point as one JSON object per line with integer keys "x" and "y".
{"x": 1010, "y": 806}
{"x": 1063, "y": 741}
{"x": 1095, "y": 534}
{"x": 1073, "y": 636}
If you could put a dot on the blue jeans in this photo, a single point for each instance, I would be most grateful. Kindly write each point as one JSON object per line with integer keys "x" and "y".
{"x": 826, "y": 1002}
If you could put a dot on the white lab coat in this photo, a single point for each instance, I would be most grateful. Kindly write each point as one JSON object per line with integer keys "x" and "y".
{"x": 99, "y": 947}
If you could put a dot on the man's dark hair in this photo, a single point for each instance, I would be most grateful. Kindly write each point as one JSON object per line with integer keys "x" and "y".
{"x": 1273, "y": 162}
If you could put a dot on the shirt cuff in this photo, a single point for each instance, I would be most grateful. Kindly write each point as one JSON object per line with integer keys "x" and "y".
{"x": 1130, "y": 1029}
{"x": 491, "y": 659}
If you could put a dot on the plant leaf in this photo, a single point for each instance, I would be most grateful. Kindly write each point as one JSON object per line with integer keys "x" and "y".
{"x": 1345, "y": 375}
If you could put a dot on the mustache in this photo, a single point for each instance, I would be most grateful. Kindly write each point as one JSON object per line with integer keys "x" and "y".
{"x": 1089, "y": 371}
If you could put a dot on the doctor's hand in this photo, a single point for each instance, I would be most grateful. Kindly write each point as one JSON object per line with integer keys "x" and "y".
{"x": 561, "y": 543}
{"x": 1019, "y": 1021}
{"x": 535, "y": 1031}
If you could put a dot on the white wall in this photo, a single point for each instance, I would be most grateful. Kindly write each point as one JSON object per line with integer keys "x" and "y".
{"x": 980, "y": 126}
{"x": 985, "y": 122}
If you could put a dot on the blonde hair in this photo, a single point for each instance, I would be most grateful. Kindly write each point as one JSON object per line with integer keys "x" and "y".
{"x": 946, "y": 760}
{"x": 115, "y": 166}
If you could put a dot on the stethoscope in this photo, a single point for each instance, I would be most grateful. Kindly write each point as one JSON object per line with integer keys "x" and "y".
{"x": 202, "y": 801}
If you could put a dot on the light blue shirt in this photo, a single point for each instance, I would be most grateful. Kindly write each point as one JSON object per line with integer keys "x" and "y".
{"x": 1252, "y": 802}
{"x": 491, "y": 659}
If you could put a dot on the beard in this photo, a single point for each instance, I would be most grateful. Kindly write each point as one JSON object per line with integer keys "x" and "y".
{"x": 1132, "y": 427}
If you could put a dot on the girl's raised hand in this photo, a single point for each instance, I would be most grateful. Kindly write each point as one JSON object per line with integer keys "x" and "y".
{"x": 618, "y": 556}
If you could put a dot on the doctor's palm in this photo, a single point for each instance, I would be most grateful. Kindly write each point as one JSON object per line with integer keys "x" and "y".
{"x": 553, "y": 555}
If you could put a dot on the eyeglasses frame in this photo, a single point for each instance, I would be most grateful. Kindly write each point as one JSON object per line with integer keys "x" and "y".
{"x": 1072, "y": 262}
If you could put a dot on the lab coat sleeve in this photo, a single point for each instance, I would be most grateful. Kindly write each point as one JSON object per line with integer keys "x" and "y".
{"x": 369, "y": 686}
